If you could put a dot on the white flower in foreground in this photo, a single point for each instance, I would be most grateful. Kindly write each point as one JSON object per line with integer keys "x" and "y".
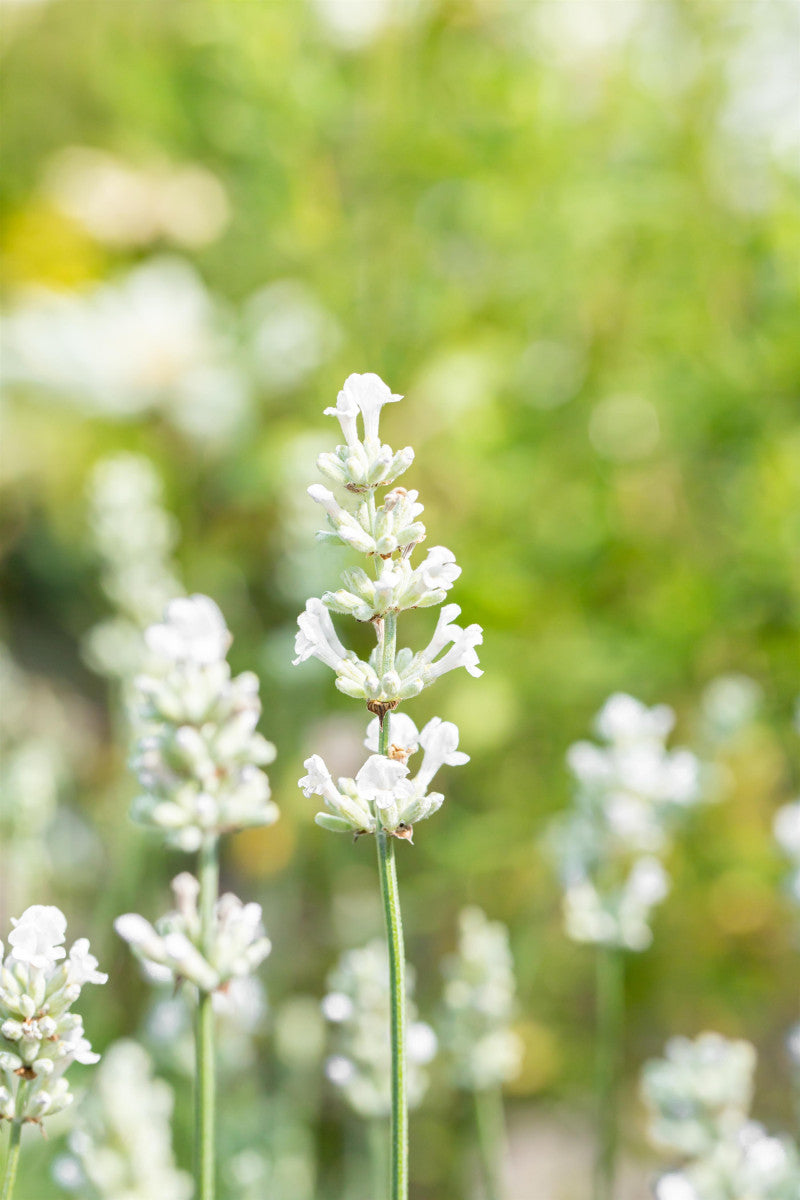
{"x": 630, "y": 793}
{"x": 122, "y": 1144}
{"x": 171, "y": 952}
{"x": 382, "y": 795}
{"x": 198, "y": 757}
{"x": 357, "y": 1006}
{"x": 478, "y": 1005}
{"x": 39, "y": 1036}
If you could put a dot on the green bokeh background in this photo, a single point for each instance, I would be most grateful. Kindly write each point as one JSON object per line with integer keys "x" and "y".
{"x": 559, "y": 260}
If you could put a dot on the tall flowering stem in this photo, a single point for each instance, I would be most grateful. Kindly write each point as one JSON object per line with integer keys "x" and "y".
{"x": 198, "y": 758}
{"x": 382, "y": 799}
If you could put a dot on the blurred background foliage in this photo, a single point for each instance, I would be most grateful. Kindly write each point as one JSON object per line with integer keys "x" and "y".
{"x": 567, "y": 231}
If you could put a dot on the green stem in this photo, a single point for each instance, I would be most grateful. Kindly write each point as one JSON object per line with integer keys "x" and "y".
{"x": 387, "y": 872}
{"x": 490, "y": 1127}
{"x": 610, "y": 1024}
{"x": 205, "y": 1081}
{"x": 12, "y": 1161}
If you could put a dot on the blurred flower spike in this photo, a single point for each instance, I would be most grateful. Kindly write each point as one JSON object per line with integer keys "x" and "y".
{"x": 357, "y": 1006}
{"x": 199, "y": 757}
{"x": 609, "y": 847}
{"x": 39, "y": 1036}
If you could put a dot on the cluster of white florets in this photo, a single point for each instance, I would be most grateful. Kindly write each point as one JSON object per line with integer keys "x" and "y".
{"x": 122, "y": 1145}
{"x": 699, "y": 1097}
{"x": 610, "y": 847}
{"x": 358, "y": 1005}
{"x": 382, "y": 796}
{"x": 199, "y": 756}
{"x": 172, "y": 950}
{"x": 39, "y": 1036}
{"x": 787, "y": 835}
{"x": 478, "y": 1005}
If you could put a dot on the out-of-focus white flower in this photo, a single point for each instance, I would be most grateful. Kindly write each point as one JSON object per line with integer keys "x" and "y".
{"x": 358, "y": 1005}
{"x": 382, "y": 796}
{"x": 699, "y": 1098}
{"x": 198, "y": 756}
{"x": 630, "y": 792}
{"x": 172, "y": 950}
{"x": 39, "y": 1036}
{"x": 729, "y": 704}
{"x": 134, "y": 537}
{"x": 478, "y": 1005}
{"x": 122, "y": 1143}
{"x": 122, "y": 204}
{"x": 290, "y": 334}
{"x": 154, "y": 340}
{"x": 700, "y": 1092}
{"x": 787, "y": 834}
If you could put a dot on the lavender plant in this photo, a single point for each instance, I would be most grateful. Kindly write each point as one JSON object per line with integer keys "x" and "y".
{"x": 382, "y": 799}
{"x": 198, "y": 758}
{"x": 40, "y": 1037}
{"x": 699, "y": 1096}
{"x": 630, "y": 793}
{"x": 483, "y": 1049}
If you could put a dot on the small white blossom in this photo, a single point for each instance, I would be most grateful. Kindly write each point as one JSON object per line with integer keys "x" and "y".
{"x": 39, "y": 1036}
{"x": 172, "y": 950}
{"x": 478, "y": 1005}
{"x": 363, "y": 463}
{"x": 382, "y": 796}
{"x": 357, "y": 1006}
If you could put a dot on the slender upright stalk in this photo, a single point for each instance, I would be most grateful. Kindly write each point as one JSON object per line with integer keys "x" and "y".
{"x": 610, "y": 1024}
{"x": 12, "y": 1161}
{"x": 490, "y": 1128}
{"x": 205, "y": 1081}
{"x": 387, "y": 872}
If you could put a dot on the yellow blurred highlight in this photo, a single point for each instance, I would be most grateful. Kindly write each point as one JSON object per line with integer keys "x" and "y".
{"x": 259, "y": 852}
{"x": 42, "y": 246}
{"x": 541, "y": 1061}
{"x": 741, "y": 903}
{"x": 488, "y": 721}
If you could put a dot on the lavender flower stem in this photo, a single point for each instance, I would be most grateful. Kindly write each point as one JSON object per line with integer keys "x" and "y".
{"x": 610, "y": 1024}
{"x": 205, "y": 1083}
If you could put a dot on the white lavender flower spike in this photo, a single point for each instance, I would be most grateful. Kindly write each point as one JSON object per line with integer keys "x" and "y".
{"x": 384, "y": 798}
{"x": 122, "y": 1143}
{"x": 699, "y": 1097}
{"x": 198, "y": 757}
{"x": 478, "y": 1005}
{"x": 173, "y": 951}
{"x": 357, "y": 1006}
{"x": 39, "y": 1036}
{"x": 629, "y": 794}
